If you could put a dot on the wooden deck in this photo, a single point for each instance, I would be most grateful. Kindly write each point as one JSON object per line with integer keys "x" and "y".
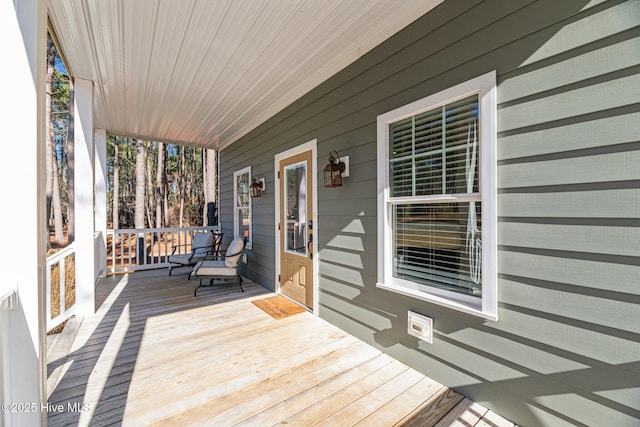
{"x": 155, "y": 355}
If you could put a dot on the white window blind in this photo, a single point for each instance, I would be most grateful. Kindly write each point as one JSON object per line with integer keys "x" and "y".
{"x": 430, "y": 153}
{"x": 437, "y": 242}
{"x": 436, "y": 245}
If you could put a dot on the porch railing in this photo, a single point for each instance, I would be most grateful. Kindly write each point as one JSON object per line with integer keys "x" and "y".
{"x": 60, "y": 277}
{"x": 146, "y": 248}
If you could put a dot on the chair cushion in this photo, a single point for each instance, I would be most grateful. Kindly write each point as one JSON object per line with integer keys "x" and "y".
{"x": 184, "y": 258}
{"x": 235, "y": 247}
{"x": 179, "y": 258}
{"x": 213, "y": 268}
{"x": 202, "y": 243}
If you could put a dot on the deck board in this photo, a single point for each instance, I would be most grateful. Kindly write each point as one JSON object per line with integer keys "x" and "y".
{"x": 155, "y": 355}
{"x": 466, "y": 413}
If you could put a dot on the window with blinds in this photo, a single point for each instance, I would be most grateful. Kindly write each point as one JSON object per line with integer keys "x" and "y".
{"x": 435, "y": 198}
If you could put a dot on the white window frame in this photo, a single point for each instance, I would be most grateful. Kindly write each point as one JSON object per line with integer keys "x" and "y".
{"x": 236, "y": 209}
{"x": 485, "y": 306}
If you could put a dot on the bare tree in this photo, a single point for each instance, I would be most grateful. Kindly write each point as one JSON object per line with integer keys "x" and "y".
{"x": 166, "y": 187}
{"x": 209, "y": 181}
{"x": 204, "y": 185}
{"x": 149, "y": 194}
{"x": 116, "y": 185}
{"x": 181, "y": 184}
{"x": 70, "y": 169}
{"x": 161, "y": 183}
{"x": 49, "y": 133}
{"x": 56, "y": 202}
{"x": 140, "y": 184}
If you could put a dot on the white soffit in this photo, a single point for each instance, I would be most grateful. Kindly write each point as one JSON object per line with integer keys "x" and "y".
{"x": 207, "y": 72}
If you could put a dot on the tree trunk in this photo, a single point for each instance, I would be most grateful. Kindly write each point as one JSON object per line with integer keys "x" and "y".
{"x": 161, "y": 182}
{"x": 49, "y": 152}
{"x": 71, "y": 216}
{"x": 210, "y": 181}
{"x": 116, "y": 185}
{"x": 150, "y": 195}
{"x": 166, "y": 187}
{"x": 140, "y": 184}
{"x": 181, "y": 181}
{"x": 205, "y": 186}
{"x": 56, "y": 202}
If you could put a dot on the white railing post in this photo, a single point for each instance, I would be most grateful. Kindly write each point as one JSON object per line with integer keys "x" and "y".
{"x": 100, "y": 201}
{"x": 63, "y": 285}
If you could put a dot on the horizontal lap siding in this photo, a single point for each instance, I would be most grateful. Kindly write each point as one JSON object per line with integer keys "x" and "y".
{"x": 566, "y": 348}
{"x": 261, "y": 256}
{"x": 569, "y": 206}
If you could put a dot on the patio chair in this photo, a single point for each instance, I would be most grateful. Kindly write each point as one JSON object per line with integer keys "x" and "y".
{"x": 204, "y": 245}
{"x": 224, "y": 268}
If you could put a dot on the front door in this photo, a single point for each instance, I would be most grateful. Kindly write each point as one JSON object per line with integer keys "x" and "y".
{"x": 296, "y": 227}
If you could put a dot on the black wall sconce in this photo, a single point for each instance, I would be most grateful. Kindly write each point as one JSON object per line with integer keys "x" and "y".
{"x": 334, "y": 170}
{"x": 257, "y": 187}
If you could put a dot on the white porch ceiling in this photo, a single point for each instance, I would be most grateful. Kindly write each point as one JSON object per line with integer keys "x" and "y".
{"x": 207, "y": 72}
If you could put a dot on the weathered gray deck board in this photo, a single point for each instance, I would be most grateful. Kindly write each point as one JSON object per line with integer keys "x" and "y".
{"x": 155, "y": 355}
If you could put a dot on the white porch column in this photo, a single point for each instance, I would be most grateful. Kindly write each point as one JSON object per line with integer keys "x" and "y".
{"x": 84, "y": 186}
{"x": 100, "y": 191}
{"x": 22, "y": 295}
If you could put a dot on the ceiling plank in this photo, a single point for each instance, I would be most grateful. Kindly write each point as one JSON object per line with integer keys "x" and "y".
{"x": 207, "y": 72}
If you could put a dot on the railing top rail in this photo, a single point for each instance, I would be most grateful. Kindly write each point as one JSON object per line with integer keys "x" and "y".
{"x": 166, "y": 229}
{"x": 63, "y": 253}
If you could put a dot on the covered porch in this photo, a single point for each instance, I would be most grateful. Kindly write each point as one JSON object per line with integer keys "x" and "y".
{"x": 155, "y": 355}
{"x": 255, "y": 80}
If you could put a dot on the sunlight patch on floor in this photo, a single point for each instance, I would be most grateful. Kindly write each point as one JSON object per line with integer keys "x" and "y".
{"x": 100, "y": 374}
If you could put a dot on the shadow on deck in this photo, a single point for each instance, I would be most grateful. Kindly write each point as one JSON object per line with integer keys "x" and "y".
{"x": 154, "y": 354}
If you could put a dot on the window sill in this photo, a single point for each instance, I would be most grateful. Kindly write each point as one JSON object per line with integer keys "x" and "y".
{"x": 424, "y": 296}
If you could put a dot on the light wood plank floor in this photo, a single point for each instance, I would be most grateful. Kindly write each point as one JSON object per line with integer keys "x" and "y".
{"x": 155, "y": 355}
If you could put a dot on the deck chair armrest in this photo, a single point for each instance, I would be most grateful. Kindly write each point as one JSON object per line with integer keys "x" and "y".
{"x": 211, "y": 253}
{"x": 208, "y": 252}
{"x": 175, "y": 247}
{"x": 210, "y": 249}
{"x": 222, "y": 257}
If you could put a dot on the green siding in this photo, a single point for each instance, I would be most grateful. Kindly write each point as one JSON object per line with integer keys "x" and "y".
{"x": 595, "y": 133}
{"x": 566, "y": 350}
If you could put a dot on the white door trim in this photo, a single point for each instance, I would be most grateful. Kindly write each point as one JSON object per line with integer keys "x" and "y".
{"x": 307, "y": 146}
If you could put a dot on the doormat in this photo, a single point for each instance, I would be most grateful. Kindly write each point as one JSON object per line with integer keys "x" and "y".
{"x": 279, "y": 307}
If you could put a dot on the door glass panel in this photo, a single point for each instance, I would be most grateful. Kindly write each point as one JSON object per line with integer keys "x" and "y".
{"x": 296, "y": 208}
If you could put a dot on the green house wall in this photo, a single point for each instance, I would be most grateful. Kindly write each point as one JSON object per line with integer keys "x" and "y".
{"x": 566, "y": 347}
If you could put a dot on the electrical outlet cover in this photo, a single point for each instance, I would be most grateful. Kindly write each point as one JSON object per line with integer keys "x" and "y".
{"x": 420, "y": 327}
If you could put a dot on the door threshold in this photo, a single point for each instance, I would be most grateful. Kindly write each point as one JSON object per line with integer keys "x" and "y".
{"x": 309, "y": 309}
